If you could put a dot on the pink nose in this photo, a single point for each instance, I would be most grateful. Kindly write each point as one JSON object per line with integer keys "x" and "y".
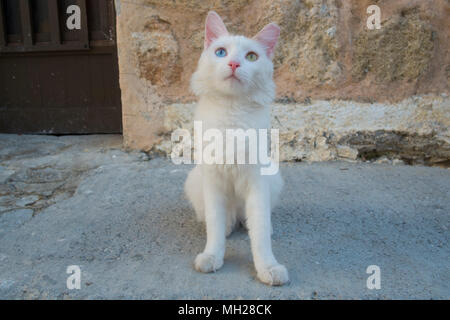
{"x": 234, "y": 65}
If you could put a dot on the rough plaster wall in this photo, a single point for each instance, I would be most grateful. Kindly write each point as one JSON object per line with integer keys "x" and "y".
{"x": 415, "y": 130}
{"x": 327, "y": 62}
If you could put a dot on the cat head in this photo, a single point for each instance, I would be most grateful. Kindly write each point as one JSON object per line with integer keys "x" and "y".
{"x": 236, "y": 66}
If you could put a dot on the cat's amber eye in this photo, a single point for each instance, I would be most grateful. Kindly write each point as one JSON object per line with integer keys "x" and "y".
{"x": 251, "y": 56}
{"x": 221, "y": 52}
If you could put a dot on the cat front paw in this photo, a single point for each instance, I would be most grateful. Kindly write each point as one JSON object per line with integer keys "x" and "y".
{"x": 205, "y": 262}
{"x": 276, "y": 275}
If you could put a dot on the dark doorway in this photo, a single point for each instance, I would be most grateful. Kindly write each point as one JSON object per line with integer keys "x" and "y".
{"x": 54, "y": 80}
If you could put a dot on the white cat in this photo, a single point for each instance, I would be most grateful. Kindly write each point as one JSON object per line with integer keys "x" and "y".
{"x": 235, "y": 88}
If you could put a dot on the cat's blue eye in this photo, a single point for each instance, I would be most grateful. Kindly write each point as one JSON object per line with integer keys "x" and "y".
{"x": 221, "y": 52}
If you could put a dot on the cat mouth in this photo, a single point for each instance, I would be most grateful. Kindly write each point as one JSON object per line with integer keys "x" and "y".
{"x": 233, "y": 77}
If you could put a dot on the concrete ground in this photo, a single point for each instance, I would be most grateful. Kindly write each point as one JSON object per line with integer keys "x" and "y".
{"x": 122, "y": 218}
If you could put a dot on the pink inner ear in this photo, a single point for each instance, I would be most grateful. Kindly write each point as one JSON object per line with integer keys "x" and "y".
{"x": 214, "y": 28}
{"x": 268, "y": 37}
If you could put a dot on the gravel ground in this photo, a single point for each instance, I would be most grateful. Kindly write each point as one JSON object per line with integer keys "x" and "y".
{"x": 122, "y": 218}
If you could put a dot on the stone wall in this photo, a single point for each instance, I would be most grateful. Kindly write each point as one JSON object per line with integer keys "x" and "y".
{"x": 343, "y": 91}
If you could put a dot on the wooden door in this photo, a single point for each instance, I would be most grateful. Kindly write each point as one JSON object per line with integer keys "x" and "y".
{"x": 57, "y": 78}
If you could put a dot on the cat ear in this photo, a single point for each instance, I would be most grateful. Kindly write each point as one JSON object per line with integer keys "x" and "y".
{"x": 268, "y": 37}
{"x": 214, "y": 28}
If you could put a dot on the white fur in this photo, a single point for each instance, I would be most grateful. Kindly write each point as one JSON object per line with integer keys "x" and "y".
{"x": 223, "y": 195}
